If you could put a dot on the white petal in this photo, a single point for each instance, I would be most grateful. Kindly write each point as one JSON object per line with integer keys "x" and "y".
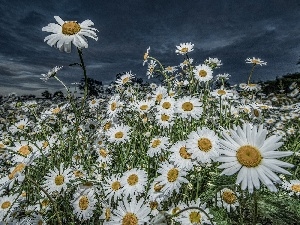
{"x": 59, "y": 20}
{"x": 241, "y": 175}
{"x": 232, "y": 170}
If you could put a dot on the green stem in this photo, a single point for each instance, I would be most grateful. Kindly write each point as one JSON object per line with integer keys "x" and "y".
{"x": 50, "y": 198}
{"x": 251, "y": 73}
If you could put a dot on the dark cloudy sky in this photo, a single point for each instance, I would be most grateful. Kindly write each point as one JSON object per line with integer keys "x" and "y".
{"x": 230, "y": 30}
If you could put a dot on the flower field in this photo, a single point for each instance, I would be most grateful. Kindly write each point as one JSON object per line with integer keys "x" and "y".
{"x": 189, "y": 150}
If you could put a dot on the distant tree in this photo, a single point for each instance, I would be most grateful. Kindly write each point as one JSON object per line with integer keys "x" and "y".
{"x": 95, "y": 87}
{"x": 46, "y": 94}
{"x": 58, "y": 94}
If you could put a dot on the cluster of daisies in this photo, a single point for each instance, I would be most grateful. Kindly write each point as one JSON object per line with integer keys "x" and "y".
{"x": 144, "y": 153}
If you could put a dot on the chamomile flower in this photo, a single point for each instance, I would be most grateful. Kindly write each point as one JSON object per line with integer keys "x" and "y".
{"x": 113, "y": 106}
{"x": 188, "y": 107}
{"x": 84, "y": 203}
{"x": 256, "y": 61}
{"x": 134, "y": 182}
{"x": 51, "y": 73}
{"x": 228, "y": 199}
{"x": 125, "y": 78}
{"x": 166, "y": 105}
{"x": 171, "y": 178}
{"x": 67, "y": 32}
{"x": 247, "y": 151}
{"x": 21, "y": 125}
{"x": 222, "y": 93}
{"x": 143, "y": 106}
{"x": 293, "y": 186}
{"x": 57, "y": 179}
{"x": 133, "y": 213}
{"x": 203, "y": 145}
{"x": 203, "y": 73}
{"x": 165, "y": 119}
{"x": 157, "y": 144}
{"x": 7, "y": 204}
{"x": 15, "y": 174}
{"x": 180, "y": 156}
{"x": 151, "y": 66}
{"x": 159, "y": 93}
{"x": 214, "y": 63}
{"x": 118, "y": 134}
{"x": 184, "y": 48}
{"x": 24, "y": 150}
{"x": 94, "y": 103}
{"x": 112, "y": 187}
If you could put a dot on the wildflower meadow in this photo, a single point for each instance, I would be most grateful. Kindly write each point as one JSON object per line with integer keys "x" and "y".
{"x": 190, "y": 149}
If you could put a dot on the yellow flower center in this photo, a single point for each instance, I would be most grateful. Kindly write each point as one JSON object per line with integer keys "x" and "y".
{"x": 103, "y": 153}
{"x": 172, "y": 175}
{"x": 125, "y": 80}
{"x": 70, "y": 28}
{"x": 132, "y": 179}
{"x": 157, "y": 187}
{"x": 204, "y": 144}
{"x": 144, "y": 107}
{"x": 256, "y": 113}
{"x": 45, "y": 203}
{"x": 78, "y": 173}
{"x": 202, "y": 73}
{"x": 25, "y": 150}
{"x": 184, "y": 154}
{"x": 130, "y": 219}
{"x": 251, "y": 85}
{"x": 20, "y": 167}
{"x": 195, "y": 217}
{"x": 296, "y": 187}
{"x": 146, "y": 56}
{"x": 45, "y": 144}
{"x": 2, "y": 146}
{"x": 56, "y": 110}
{"x": 107, "y": 214}
{"x": 83, "y": 202}
{"x": 59, "y": 179}
{"x": 159, "y": 97}
{"x": 93, "y": 102}
{"x": 40, "y": 222}
{"x": 155, "y": 143}
{"x": 184, "y": 50}
{"x": 113, "y": 106}
{"x": 248, "y": 156}
{"x": 23, "y": 194}
{"x": 153, "y": 205}
{"x": 166, "y": 105}
{"x": 175, "y": 210}
{"x": 221, "y": 92}
{"x": 165, "y": 117}
{"x": 6, "y": 205}
{"x": 187, "y": 106}
{"x": 107, "y": 126}
{"x": 116, "y": 185}
{"x": 119, "y": 134}
{"x": 229, "y": 197}
{"x": 21, "y": 126}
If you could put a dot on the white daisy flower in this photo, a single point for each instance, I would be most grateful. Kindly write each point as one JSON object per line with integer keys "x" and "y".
{"x": 194, "y": 216}
{"x": 186, "y": 63}
{"x": 188, "y": 107}
{"x": 159, "y": 93}
{"x": 112, "y": 187}
{"x": 157, "y": 144}
{"x": 247, "y": 151}
{"x": 222, "y": 93}
{"x": 151, "y": 67}
{"x": 16, "y": 174}
{"x": 7, "y": 204}
{"x": 51, "y": 73}
{"x": 203, "y": 73}
{"x": 180, "y": 156}
{"x": 133, "y": 212}
{"x": 214, "y": 63}
{"x": 118, "y": 134}
{"x": 146, "y": 55}
{"x": 113, "y": 106}
{"x": 166, "y": 105}
{"x": 164, "y": 119}
{"x": 21, "y": 125}
{"x": 125, "y": 78}
{"x": 134, "y": 182}
{"x": 57, "y": 179}
{"x": 255, "y": 61}
{"x": 203, "y": 145}
{"x": 227, "y": 199}
{"x": 293, "y": 186}
{"x": 67, "y": 32}
{"x": 84, "y": 203}
{"x": 184, "y": 48}
{"x": 171, "y": 178}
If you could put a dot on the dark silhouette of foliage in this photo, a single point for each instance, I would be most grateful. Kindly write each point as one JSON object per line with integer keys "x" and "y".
{"x": 95, "y": 87}
{"x": 58, "y": 94}
{"x": 46, "y": 94}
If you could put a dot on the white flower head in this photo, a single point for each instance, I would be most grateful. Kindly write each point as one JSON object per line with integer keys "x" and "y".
{"x": 184, "y": 48}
